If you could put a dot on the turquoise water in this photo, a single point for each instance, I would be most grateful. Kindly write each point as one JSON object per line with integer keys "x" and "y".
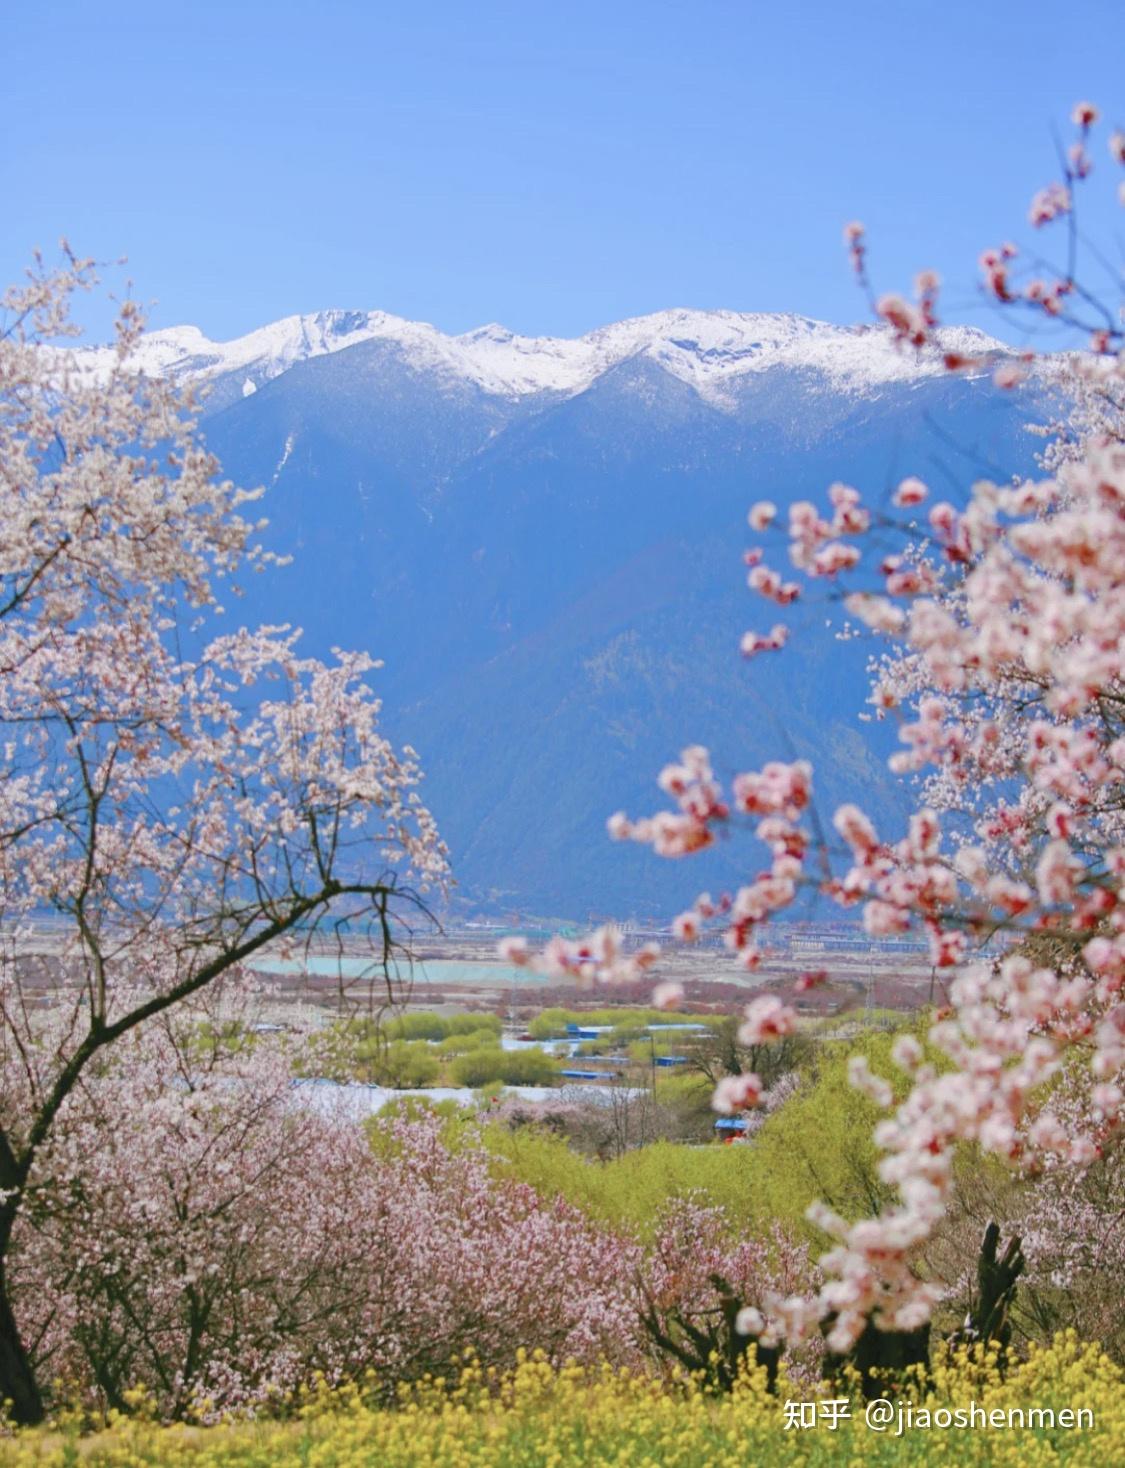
{"x": 441, "y": 972}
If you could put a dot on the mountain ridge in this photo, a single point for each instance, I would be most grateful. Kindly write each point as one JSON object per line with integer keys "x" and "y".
{"x": 712, "y": 351}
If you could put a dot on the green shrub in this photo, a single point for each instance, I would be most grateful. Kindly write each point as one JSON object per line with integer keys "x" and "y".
{"x": 413, "y": 1108}
{"x": 405, "y": 1063}
{"x": 531, "y": 1067}
{"x": 819, "y": 1144}
{"x": 357, "y": 1048}
{"x": 423, "y": 1025}
{"x": 462, "y": 1044}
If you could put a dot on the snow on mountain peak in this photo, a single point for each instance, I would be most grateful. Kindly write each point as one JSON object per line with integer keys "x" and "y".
{"x": 710, "y": 350}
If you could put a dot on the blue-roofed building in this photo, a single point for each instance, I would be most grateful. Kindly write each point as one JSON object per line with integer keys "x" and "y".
{"x": 588, "y": 1032}
{"x": 731, "y": 1128}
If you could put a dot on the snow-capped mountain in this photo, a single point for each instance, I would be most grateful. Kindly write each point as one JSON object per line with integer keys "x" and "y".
{"x": 542, "y": 539}
{"x": 712, "y": 351}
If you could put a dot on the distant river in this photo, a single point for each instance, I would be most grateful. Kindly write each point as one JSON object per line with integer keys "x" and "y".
{"x": 440, "y": 972}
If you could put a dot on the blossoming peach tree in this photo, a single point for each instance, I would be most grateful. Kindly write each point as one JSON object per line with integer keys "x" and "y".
{"x": 172, "y": 797}
{"x": 1003, "y": 620}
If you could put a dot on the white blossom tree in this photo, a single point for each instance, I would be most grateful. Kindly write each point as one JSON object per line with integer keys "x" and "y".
{"x": 172, "y": 796}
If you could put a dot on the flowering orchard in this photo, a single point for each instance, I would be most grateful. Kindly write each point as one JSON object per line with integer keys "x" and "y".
{"x": 172, "y": 798}
{"x": 198, "y": 1229}
{"x": 1003, "y": 624}
{"x": 219, "y": 1243}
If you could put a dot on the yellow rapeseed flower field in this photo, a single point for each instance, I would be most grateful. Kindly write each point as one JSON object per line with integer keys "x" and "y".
{"x": 542, "y": 1417}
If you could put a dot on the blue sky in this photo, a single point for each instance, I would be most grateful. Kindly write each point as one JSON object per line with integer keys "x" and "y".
{"x": 548, "y": 166}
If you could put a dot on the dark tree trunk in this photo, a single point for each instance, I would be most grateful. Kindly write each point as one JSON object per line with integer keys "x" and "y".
{"x": 879, "y": 1356}
{"x": 988, "y": 1320}
{"x": 17, "y": 1380}
{"x": 710, "y": 1343}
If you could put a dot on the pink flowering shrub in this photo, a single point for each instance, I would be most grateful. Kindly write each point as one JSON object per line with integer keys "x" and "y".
{"x": 1070, "y": 1220}
{"x": 1005, "y": 619}
{"x": 1070, "y": 1217}
{"x": 695, "y": 1240}
{"x": 697, "y": 1270}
